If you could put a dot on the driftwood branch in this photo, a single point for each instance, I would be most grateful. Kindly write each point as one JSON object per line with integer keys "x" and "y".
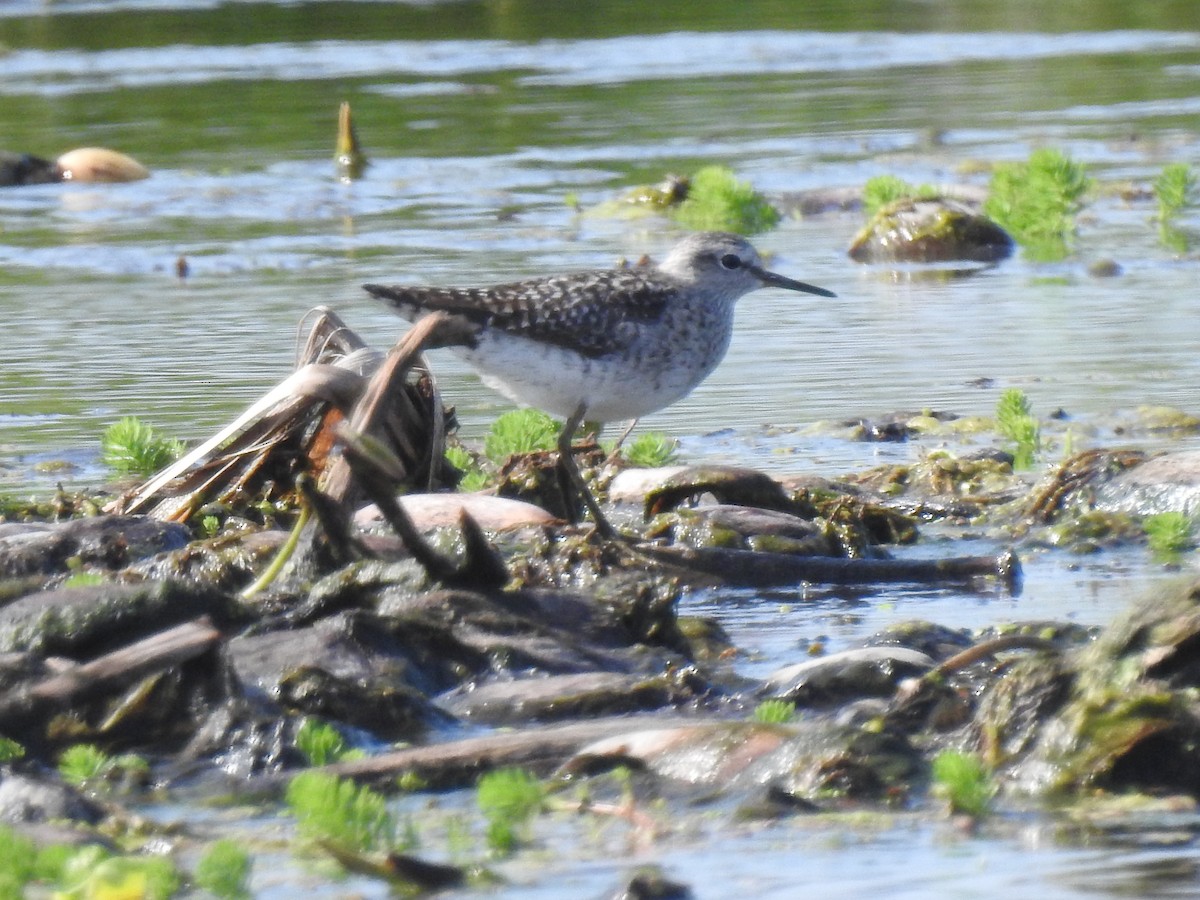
{"x": 113, "y": 670}
{"x": 757, "y": 569}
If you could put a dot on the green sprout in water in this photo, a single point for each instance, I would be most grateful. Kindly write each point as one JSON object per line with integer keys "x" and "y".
{"x": 338, "y": 811}
{"x": 1015, "y": 421}
{"x": 651, "y": 450}
{"x": 775, "y": 712}
{"x": 86, "y": 765}
{"x": 224, "y": 870}
{"x": 718, "y": 201}
{"x": 17, "y": 862}
{"x": 520, "y": 431}
{"x": 1036, "y": 202}
{"x": 1168, "y": 533}
{"x": 93, "y": 872}
{"x": 322, "y": 744}
{"x": 509, "y": 799}
{"x": 84, "y": 579}
{"x": 474, "y": 477}
{"x": 964, "y": 781}
{"x": 881, "y": 190}
{"x": 1176, "y": 190}
{"x": 10, "y": 750}
{"x": 132, "y": 447}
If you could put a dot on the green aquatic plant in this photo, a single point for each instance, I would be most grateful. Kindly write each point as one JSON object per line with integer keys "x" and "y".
{"x": 1176, "y": 190}
{"x": 964, "y": 781}
{"x": 1015, "y": 421}
{"x": 321, "y": 744}
{"x": 86, "y": 765}
{"x": 651, "y": 450}
{"x": 93, "y": 872}
{"x": 520, "y": 431}
{"x": 508, "y": 799}
{"x": 474, "y": 478}
{"x": 1036, "y": 202}
{"x": 84, "y": 579}
{"x": 10, "y": 750}
{"x": 881, "y": 190}
{"x": 224, "y": 870}
{"x": 17, "y": 862}
{"x": 1168, "y": 533}
{"x": 717, "y": 201}
{"x": 338, "y": 811}
{"x": 132, "y": 447}
{"x": 775, "y": 712}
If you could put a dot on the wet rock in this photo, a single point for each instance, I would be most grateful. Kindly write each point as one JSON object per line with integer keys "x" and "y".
{"x": 82, "y": 621}
{"x": 935, "y": 641}
{"x": 556, "y": 632}
{"x": 108, "y": 542}
{"x": 744, "y": 528}
{"x": 1073, "y": 487}
{"x": 569, "y": 696}
{"x": 897, "y": 426}
{"x": 100, "y": 165}
{"x": 650, "y": 883}
{"x": 350, "y": 648}
{"x": 1105, "y": 268}
{"x": 390, "y": 712}
{"x": 23, "y": 168}
{"x": 240, "y": 738}
{"x": 534, "y": 478}
{"x": 727, "y": 484}
{"x": 228, "y": 562}
{"x": 1167, "y": 483}
{"x": 444, "y": 510}
{"x": 933, "y": 230}
{"x": 707, "y": 640}
{"x": 851, "y": 762}
{"x": 1119, "y": 713}
{"x": 707, "y": 753}
{"x": 805, "y": 760}
{"x": 838, "y": 677}
{"x": 28, "y": 799}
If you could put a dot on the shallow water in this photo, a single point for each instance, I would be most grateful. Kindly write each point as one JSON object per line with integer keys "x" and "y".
{"x": 482, "y": 120}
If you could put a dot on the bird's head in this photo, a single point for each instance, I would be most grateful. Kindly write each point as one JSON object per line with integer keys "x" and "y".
{"x": 728, "y": 264}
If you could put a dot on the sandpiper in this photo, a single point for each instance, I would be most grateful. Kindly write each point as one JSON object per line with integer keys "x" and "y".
{"x": 606, "y": 345}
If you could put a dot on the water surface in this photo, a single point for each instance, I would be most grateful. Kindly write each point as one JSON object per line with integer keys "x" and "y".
{"x": 485, "y": 123}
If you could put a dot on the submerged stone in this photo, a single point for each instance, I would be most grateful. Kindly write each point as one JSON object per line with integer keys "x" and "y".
{"x": 932, "y": 230}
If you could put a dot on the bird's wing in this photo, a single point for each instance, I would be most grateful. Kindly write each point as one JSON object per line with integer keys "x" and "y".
{"x": 592, "y": 313}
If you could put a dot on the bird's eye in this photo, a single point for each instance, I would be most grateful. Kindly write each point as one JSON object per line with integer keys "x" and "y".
{"x": 730, "y": 261}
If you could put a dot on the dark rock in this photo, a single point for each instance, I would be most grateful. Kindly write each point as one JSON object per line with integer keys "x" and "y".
{"x": 18, "y": 169}
{"x": 87, "y": 620}
{"x": 109, "y": 542}
{"x": 650, "y": 883}
{"x": 24, "y": 799}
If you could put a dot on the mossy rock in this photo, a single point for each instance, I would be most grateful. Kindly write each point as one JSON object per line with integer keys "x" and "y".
{"x": 926, "y": 231}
